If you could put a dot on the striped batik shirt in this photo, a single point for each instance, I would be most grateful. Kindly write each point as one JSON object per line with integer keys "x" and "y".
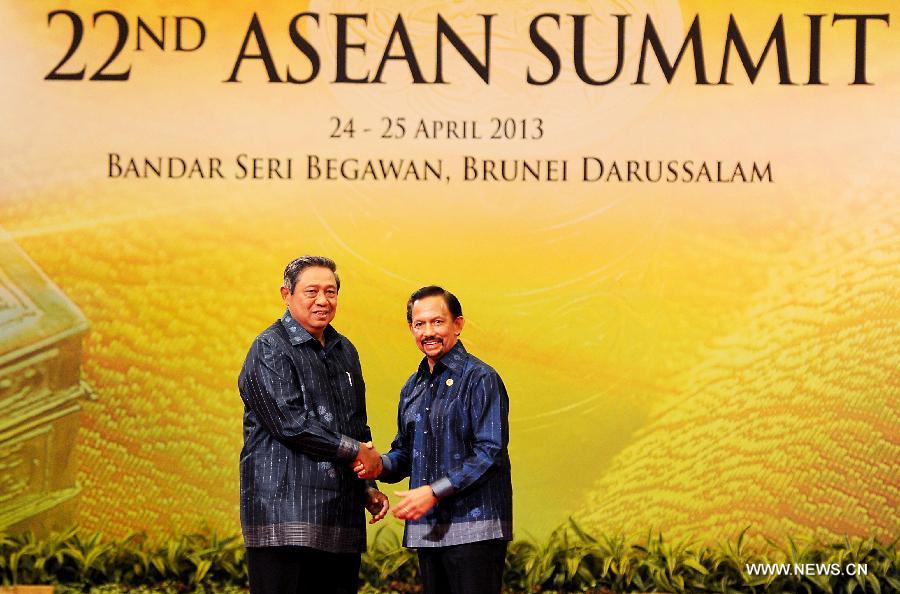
{"x": 453, "y": 432}
{"x": 304, "y": 416}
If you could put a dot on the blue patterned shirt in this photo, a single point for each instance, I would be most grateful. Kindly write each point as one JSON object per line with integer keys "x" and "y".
{"x": 453, "y": 432}
{"x": 304, "y": 416}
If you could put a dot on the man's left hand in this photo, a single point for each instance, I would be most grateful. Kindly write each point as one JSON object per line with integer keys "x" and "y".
{"x": 415, "y": 503}
{"x": 377, "y": 503}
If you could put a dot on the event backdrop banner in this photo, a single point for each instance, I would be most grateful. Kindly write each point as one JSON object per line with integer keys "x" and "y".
{"x": 673, "y": 227}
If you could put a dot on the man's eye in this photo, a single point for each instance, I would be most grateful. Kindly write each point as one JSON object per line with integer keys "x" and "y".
{"x": 310, "y": 293}
{"x": 330, "y": 293}
{"x": 438, "y": 322}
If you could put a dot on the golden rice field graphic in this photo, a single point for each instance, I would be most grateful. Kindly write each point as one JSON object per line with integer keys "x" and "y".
{"x": 791, "y": 424}
{"x": 781, "y": 414}
{"x": 693, "y": 359}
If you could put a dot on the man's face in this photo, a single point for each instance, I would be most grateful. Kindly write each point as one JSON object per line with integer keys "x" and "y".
{"x": 434, "y": 328}
{"x": 314, "y": 300}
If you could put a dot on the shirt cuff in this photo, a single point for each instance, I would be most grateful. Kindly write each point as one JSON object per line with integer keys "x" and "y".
{"x": 442, "y": 488}
{"x": 347, "y": 449}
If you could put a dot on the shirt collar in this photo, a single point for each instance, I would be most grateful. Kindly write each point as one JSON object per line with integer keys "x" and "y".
{"x": 298, "y": 334}
{"x": 454, "y": 360}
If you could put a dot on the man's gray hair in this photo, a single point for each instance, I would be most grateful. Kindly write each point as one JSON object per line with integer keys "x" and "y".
{"x": 293, "y": 270}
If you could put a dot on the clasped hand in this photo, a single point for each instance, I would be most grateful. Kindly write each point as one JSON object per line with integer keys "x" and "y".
{"x": 367, "y": 464}
{"x": 414, "y": 503}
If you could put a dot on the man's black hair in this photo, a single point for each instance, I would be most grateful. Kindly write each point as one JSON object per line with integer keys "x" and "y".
{"x": 292, "y": 271}
{"x": 432, "y": 291}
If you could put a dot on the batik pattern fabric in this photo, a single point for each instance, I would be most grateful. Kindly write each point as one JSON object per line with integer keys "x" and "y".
{"x": 453, "y": 433}
{"x": 304, "y": 419}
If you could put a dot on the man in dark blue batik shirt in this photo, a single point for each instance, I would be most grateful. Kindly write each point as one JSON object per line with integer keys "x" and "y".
{"x": 304, "y": 428}
{"x": 453, "y": 431}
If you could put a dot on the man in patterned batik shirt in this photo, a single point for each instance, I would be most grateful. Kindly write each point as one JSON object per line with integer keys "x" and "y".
{"x": 453, "y": 431}
{"x": 304, "y": 428}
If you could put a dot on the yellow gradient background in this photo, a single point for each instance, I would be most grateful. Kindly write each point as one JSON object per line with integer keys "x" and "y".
{"x": 694, "y": 358}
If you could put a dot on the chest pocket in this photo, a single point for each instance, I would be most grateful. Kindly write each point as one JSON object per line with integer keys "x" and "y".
{"x": 447, "y": 415}
{"x": 354, "y": 382}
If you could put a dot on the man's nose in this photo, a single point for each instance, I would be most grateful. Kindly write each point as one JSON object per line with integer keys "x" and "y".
{"x": 321, "y": 299}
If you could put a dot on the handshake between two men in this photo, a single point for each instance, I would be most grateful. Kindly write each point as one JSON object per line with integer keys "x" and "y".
{"x": 414, "y": 503}
{"x": 312, "y": 535}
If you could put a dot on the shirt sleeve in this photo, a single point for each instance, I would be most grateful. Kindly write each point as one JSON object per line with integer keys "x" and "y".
{"x": 268, "y": 388}
{"x": 489, "y": 415}
{"x": 398, "y": 462}
{"x": 367, "y": 435}
{"x": 367, "y": 431}
{"x": 360, "y": 388}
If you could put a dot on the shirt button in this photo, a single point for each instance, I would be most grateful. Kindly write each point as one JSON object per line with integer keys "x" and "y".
{"x": 427, "y": 409}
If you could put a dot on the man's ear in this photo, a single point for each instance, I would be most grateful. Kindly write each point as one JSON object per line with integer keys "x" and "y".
{"x": 284, "y": 294}
{"x": 458, "y": 324}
